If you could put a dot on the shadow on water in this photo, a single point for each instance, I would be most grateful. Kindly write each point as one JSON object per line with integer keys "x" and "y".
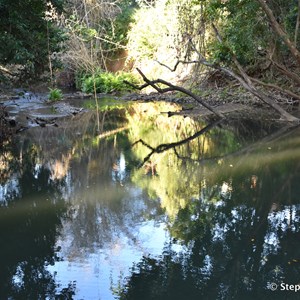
{"x": 150, "y": 208}
{"x": 30, "y": 217}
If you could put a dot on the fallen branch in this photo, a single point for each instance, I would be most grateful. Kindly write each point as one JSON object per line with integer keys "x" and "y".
{"x": 170, "y": 87}
{"x": 285, "y": 71}
{"x": 240, "y": 75}
{"x": 243, "y": 79}
{"x": 246, "y": 82}
{"x": 276, "y": 87}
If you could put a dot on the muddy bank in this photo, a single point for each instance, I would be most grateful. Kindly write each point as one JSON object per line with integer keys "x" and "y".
{"x": 21, "y": 109}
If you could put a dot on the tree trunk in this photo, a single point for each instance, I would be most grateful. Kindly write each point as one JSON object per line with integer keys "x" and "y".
{"x": 246, "y": 82}
{"x": 279, "y": 30}
{"x": 297, "y": 24}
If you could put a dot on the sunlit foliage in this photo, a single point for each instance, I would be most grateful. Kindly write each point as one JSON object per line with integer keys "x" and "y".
{"x": 107, "y": 82}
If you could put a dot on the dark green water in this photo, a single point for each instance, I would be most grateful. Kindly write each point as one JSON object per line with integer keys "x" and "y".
{"x": 216, "y": 216}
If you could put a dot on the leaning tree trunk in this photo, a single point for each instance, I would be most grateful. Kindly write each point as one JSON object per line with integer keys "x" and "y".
{"x": 246, "y": 82}
{"x": 279, "y": 30}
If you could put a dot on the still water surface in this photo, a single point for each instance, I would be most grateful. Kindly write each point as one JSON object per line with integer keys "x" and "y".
{"x": 213, "y": 215}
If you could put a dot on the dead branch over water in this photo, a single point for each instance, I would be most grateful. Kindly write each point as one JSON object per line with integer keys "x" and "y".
{"x": 171, "y": 87}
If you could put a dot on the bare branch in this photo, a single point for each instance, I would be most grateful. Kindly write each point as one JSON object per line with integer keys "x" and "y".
{"x": 170, "y": 87}
{"x": 276, "y": 87}
{"x": 286, "y": 72}
{"x": 177, "y": 64}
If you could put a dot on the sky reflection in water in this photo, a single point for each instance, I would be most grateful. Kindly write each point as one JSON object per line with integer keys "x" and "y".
{"x": 218, "y": 218}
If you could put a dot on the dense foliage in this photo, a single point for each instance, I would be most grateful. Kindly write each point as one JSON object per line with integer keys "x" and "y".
{"x": 123, "y": 34}
{"x": 106, "y": 82}
{"x": 242, "y": 24}
{"x": 28, "y": 34}
{"x": 246, "y": 30}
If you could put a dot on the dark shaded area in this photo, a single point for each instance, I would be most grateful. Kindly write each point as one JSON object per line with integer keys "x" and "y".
{"x": 26, "y": 37}
{"x": 30, "y": 218}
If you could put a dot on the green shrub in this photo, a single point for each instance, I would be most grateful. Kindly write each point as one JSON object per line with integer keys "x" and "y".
{"x": 55, "y": 94}
{"x": 107, "y": 82}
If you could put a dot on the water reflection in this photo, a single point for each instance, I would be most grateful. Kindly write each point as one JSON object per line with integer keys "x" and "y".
{"x": 237, "y": 216}
{"x": 215, "y": 217}
{"x": 30, "y": 221}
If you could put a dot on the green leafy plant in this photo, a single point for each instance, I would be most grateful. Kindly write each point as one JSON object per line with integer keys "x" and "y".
{"x": 55, "y": 94}
{"x": 106, "y": 82}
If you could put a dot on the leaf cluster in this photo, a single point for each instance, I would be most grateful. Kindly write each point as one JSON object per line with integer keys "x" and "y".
{"x": 107, "y": 82}
{"x": 55, "y": 94}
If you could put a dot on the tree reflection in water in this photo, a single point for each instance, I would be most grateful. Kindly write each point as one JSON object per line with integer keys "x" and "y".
{"x": 236, "y": 219}
{"x": 33, "y": 193}
{"x": 29, "y": 224}
{"x": 231, "y": 206}
{"x": 232, "y": 255}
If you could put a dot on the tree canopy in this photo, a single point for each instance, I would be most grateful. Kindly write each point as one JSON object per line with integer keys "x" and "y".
{"x": 253, "y": 42}
{"x": 28, "y": 33}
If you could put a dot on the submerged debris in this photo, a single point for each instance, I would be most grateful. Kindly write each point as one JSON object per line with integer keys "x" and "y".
{"x": 43, "y": 122}
{"x": 67, "y": 109}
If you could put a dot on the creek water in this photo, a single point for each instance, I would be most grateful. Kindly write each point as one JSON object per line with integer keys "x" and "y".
{"x": 146, "y": 206}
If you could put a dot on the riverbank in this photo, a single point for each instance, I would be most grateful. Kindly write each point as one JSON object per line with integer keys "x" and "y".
{"x": 22, "y": 108}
